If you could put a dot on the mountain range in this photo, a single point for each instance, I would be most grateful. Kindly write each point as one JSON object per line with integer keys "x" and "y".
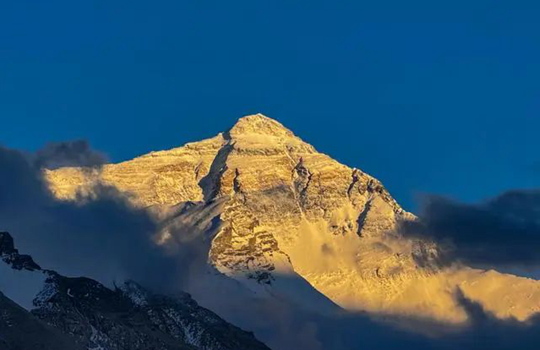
{"x": 270, "y": 223}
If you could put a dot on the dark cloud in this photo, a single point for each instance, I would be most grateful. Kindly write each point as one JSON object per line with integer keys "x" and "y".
{"x": 103, "y": 237}
{"x": 502, "y": 232}
{"x": 70, "y": 153}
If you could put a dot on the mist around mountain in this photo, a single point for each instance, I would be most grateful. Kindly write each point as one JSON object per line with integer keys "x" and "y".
{"x": 274, "y": 237}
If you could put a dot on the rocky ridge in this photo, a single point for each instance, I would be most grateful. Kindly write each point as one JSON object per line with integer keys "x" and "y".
{"x": 86, "y": 314}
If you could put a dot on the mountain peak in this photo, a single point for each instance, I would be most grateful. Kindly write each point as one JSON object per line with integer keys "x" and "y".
{"x": 259, "y": 124}
{"x": 280, "y": 218}
{"x": 11, "y": 256}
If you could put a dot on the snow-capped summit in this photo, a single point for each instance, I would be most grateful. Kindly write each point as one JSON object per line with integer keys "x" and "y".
{"x": 259, "y": 124}
{"x": 285, "y": 220}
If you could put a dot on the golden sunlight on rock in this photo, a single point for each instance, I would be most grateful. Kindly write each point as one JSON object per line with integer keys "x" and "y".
{"x": 290, "y": 210}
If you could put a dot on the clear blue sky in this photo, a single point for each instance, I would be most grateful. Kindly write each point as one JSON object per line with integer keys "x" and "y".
{"x": 427, "y": 97}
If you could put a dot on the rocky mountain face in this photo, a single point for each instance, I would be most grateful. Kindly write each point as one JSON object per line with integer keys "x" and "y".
{"x": 84, "y": 314}
{"x": 274, "y": 210}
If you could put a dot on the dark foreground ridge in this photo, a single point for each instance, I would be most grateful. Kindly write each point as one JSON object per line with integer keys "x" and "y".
{"x": 81, "y": 313}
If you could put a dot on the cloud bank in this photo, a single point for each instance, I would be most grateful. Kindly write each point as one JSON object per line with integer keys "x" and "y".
{"x": 103, "y": 237}
{"x": 502, "y": 232}
{"x": 70, "y": 153}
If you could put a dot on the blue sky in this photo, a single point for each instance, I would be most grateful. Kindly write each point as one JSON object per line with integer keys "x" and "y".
{"x": 428, "y": 97}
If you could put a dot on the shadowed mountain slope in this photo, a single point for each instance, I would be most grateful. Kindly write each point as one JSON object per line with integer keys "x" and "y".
{"x": 68, "y": 311}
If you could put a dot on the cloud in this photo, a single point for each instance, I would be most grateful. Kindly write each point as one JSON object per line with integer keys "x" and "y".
{"x": 70, "y": 153}
{"x": 103, "y": 237}
{"x": 502, "y": 232}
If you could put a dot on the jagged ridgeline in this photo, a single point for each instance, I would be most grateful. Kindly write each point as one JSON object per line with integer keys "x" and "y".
{"x": 288, "y": 214}
{"x": 81, "y": 313}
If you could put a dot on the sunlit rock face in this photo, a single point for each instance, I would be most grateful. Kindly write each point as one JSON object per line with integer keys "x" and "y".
{"x": 167, "y": 177}
{"x": 287, "y": 210}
